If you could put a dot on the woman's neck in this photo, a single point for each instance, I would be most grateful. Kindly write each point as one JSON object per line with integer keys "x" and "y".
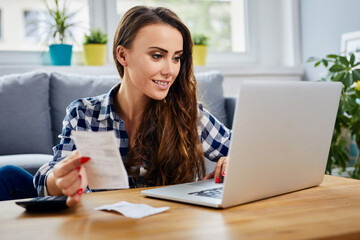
{"x": 130, "y": 106}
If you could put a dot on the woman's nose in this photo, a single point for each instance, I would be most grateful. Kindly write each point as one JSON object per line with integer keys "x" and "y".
{"x": 168, "y": 69}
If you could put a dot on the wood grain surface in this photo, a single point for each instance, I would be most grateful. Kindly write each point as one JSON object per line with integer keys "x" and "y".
{"x": 329, "y": 211}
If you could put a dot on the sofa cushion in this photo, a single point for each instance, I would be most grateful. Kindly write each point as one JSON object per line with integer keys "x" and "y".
{"x": 28, "y": 162}
{"x": 25, "y": 119}
{"x": 65, "y": 88}
{"x": 211, "y": 94}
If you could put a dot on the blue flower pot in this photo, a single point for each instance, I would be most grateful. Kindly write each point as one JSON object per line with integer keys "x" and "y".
{"x": 60, "y": 54}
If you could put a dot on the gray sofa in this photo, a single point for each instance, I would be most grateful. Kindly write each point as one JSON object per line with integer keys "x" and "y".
{"x": 32, "y": 107}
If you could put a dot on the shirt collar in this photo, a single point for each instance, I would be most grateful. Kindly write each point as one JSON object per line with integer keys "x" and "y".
{"x": 108, "y": 105}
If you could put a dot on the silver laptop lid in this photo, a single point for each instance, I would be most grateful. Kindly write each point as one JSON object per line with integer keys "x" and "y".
{"x": 281, "y": 138}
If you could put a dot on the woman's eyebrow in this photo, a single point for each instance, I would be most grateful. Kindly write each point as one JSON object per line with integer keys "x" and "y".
{"x": 164, "y": 50}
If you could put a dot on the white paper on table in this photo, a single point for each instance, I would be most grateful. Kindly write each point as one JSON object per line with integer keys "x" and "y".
{"x": 132, "y": 210}
{"x": 105, "y": 170}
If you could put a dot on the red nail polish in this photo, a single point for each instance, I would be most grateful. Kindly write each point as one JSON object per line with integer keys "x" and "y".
{"x": 84, "y": 160}
{"x": 78, "y": 168}
{"x": 223, "y": 174}
{"x": 80, "y": 176}
{"x": 217, "y": 180}
{"x": 80, "y": 191}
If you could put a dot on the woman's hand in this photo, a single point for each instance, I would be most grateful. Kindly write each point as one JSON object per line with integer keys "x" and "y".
{"x": 68, "y": 178}
{"x": 219, "y": 172}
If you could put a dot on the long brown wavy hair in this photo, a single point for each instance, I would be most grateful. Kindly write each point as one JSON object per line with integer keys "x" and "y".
{"x": 167, "y": 143}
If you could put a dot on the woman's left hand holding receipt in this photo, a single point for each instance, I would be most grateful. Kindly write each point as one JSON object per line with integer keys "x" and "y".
{"x": 68, "y": 178}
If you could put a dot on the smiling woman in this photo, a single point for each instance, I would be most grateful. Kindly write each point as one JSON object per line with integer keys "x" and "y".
{"x": 164, "y": 135}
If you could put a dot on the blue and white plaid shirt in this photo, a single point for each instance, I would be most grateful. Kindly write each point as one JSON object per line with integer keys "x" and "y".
{"x": 98, "y": 114}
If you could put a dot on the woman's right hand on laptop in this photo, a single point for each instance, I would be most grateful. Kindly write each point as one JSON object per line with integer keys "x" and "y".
{"x": 68, "y": 178}
{"x": 220, "y": 170}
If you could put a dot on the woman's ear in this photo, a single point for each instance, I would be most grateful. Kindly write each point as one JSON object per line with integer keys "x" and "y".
{"x": 121, "y": 55}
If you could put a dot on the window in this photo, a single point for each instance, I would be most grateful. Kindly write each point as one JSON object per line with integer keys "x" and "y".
{"x": 223, "y": 21}
{"x": 23, "y": 24}
{"x": 31, "y": 25}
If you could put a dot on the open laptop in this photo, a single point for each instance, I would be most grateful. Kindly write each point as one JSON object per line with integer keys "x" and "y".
{"x": 280, "y": 143}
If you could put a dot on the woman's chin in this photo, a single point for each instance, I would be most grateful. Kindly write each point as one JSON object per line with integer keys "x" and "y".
{"x": 159, "y": 96}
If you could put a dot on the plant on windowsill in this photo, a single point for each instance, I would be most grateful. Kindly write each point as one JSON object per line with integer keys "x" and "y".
{"x": 95, "y": 47}
{"x": 344, "y": 69}
{"x": 200, "y": 42}
{"x": 59, "y": 30}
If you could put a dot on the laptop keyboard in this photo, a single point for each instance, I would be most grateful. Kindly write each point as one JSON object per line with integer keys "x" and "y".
{"x": 213, "y": 193}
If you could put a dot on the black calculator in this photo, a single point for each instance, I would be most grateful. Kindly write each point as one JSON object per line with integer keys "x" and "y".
{"x": 44, "y": 204}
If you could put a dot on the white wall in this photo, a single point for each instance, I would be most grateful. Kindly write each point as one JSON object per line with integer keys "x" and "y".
{"x": 322, "y": 23}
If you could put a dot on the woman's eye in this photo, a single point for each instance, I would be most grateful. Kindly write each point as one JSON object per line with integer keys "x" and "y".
{"x": 178, "y": 59}
{"x": 156, "y": 56}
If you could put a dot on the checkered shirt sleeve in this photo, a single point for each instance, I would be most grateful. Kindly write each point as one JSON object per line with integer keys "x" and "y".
{"x": 214, "y": 136}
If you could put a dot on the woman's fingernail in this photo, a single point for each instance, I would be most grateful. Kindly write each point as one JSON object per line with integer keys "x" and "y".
{"x": 84, "y": 160}
{"x": 78, "y": 168}
{"x": 80, "y": 176}
{"x": 80, "y": 191}
{"x": 217, "y": 180}
{"x": 223, "y": 173}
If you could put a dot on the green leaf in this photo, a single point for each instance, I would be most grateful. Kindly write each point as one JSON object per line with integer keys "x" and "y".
{"x": 332, "y": 56}
{"x": 337, "y": 68}
{"x": 344, "y": 60}
{"x": 317, "y": 64}
{"x": 351, "y": 92}
{"x": 338, "y": 77}
{"x": 356, "y": 75}
{"x": 312, "y": 59}
{"x": 200, "y": 39}
{"x": 347, "y": 81}
{"x": 352, "y": 59}
{"x": 96, "y": 36}
{"x": 325, "y": 62}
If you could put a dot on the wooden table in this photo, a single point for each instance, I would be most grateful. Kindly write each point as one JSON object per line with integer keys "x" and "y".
{"x": 329, "y": 211}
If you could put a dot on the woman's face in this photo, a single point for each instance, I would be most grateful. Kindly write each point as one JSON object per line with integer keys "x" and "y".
{"x": 153, "y": 61}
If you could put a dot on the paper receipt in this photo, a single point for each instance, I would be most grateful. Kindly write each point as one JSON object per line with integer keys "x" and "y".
{"x": 132, "y": 210}
{"x": 106, "y": 169}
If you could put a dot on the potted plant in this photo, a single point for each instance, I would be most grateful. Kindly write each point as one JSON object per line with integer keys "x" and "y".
{"x": 59, "y": 30}
{"x": 344, "y": 69}
{"x": 200, "y": 49}
{"x": 95, "y": 47}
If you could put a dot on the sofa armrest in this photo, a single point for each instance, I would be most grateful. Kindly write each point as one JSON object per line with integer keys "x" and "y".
{"x": 28, "y": 162}
{"x": 230, "y": 103}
